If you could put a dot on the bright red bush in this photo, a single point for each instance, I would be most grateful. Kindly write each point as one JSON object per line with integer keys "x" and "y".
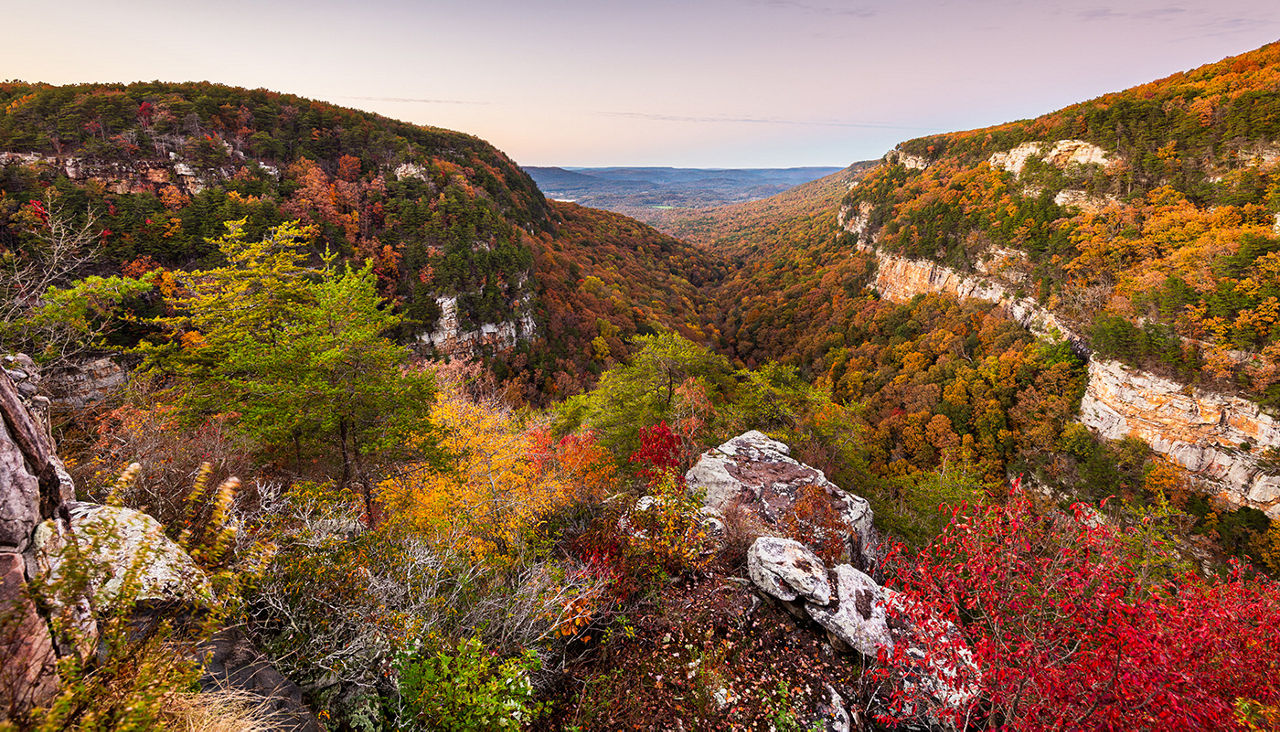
{"x": 659, "y": 453}
{"x": 1071, "y": 631}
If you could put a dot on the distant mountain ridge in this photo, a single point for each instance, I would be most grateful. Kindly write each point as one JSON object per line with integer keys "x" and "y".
{"x": 642, "y": 192}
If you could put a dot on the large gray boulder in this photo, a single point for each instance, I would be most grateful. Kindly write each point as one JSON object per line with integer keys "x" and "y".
{"x": 787, "y": 570}
{"x": 124, "y": 547}
{"x": 759, "y": 474}
{"x": 858, "y": 617}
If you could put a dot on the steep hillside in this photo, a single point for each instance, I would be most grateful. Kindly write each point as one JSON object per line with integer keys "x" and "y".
{"x": 463, "y": 241}
{"x": 602, "y": 278}
{"x": 1146, "y": 219}
{"x": 1143, "y": 227}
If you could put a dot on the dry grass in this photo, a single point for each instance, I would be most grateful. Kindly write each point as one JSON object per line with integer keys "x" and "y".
{"x": 225, "y": 710}
{"x": 741, "y": 528}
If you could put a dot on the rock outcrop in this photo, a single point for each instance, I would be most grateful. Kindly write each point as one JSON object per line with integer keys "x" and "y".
{"x": 1218, "y": 437}
{"x": 1075, "y": 198}
{"x": 788, "y": 571}
{"x": 123, "y": 544}
{"x": 450, "y": 338}
{"x": 1061, "y": 154}
{"x": 759, "y": 475}
{"x": 905, "y": 159}
{"x": 859, "y": 615}
{"x": 79, "y": 385}
{"x": 144, "y": 176}
{"x": 900, "y": 278}
{"x": 33, "y": 487}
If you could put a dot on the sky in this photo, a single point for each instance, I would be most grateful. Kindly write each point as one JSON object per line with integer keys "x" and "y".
{"x": 690, "y": 83}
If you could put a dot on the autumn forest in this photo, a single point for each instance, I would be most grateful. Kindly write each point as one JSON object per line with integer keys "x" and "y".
{"x": 318, "y": 420}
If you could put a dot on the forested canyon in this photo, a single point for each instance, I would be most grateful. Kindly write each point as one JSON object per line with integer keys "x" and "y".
{"x": 313, "y": 419}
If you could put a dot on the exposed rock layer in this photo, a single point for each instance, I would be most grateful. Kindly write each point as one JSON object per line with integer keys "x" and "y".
{"x": 1061, "y": 154}
{"x": 1218, "y": 437}
{"x": 901, "y": 278}
{"x": 32, "y": 488}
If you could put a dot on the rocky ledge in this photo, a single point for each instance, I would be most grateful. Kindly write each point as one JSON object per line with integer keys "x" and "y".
{"x": 756, "y": 474}
{"x": 1218, "y": 437}
{"x": 858, "y": 615}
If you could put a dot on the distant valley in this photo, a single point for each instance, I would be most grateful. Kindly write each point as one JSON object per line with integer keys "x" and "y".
{"x": 644, "y": 193}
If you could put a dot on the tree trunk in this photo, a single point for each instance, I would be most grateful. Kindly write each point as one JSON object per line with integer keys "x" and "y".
{"x": 346, "y": 457}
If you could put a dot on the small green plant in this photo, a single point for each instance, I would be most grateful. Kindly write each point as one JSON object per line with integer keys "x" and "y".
{"x": 783, "y": 716}
{"x": 470, "y": 689}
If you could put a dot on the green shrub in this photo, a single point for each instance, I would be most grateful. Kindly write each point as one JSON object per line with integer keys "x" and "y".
{"x": 470, "y": 690}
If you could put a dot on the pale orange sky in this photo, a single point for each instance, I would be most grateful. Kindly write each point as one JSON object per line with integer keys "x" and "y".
{"x": 725, "y": 83}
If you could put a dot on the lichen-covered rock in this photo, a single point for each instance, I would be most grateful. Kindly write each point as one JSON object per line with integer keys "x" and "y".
{"x": 125, "y": 546}
{"x": 787, "y": 570}
{"x": 759, "y": 474}
{"x": 860, "y": 615}
{"x": 857, "y": 617}
{"x": 833, "y": 714}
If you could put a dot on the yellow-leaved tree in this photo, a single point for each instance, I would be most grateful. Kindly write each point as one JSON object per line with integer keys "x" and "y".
{"x": 504, "y": 476}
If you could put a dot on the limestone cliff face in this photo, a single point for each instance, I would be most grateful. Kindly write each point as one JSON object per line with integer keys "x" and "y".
{"x": 1218, "y": 437}
{"x": 141, "y": 176}
{"x": 1202, "y": 431}
{"x": 911, "y": 162}
{"x": 901, "y": 278}
{"x": 1062, "y": 154}
{"x": 450, "y": 339}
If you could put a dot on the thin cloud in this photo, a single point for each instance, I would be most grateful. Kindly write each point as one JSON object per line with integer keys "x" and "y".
{"x": 1196, "y": 23}
{"x": 1228, "y": 27}
{"x": 416, "y": 100}
{"x": 760, "y": 121}
{"x": 1167, "y": 12}
{"x": 828, "y": 10}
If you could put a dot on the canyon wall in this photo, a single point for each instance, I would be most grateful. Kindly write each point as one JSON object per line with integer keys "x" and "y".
{"x": 1216, "y": 436}
{"x": 900, "y": 278}
{"x": 450, "y": 339}
{"x": 1219, "y": 438}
